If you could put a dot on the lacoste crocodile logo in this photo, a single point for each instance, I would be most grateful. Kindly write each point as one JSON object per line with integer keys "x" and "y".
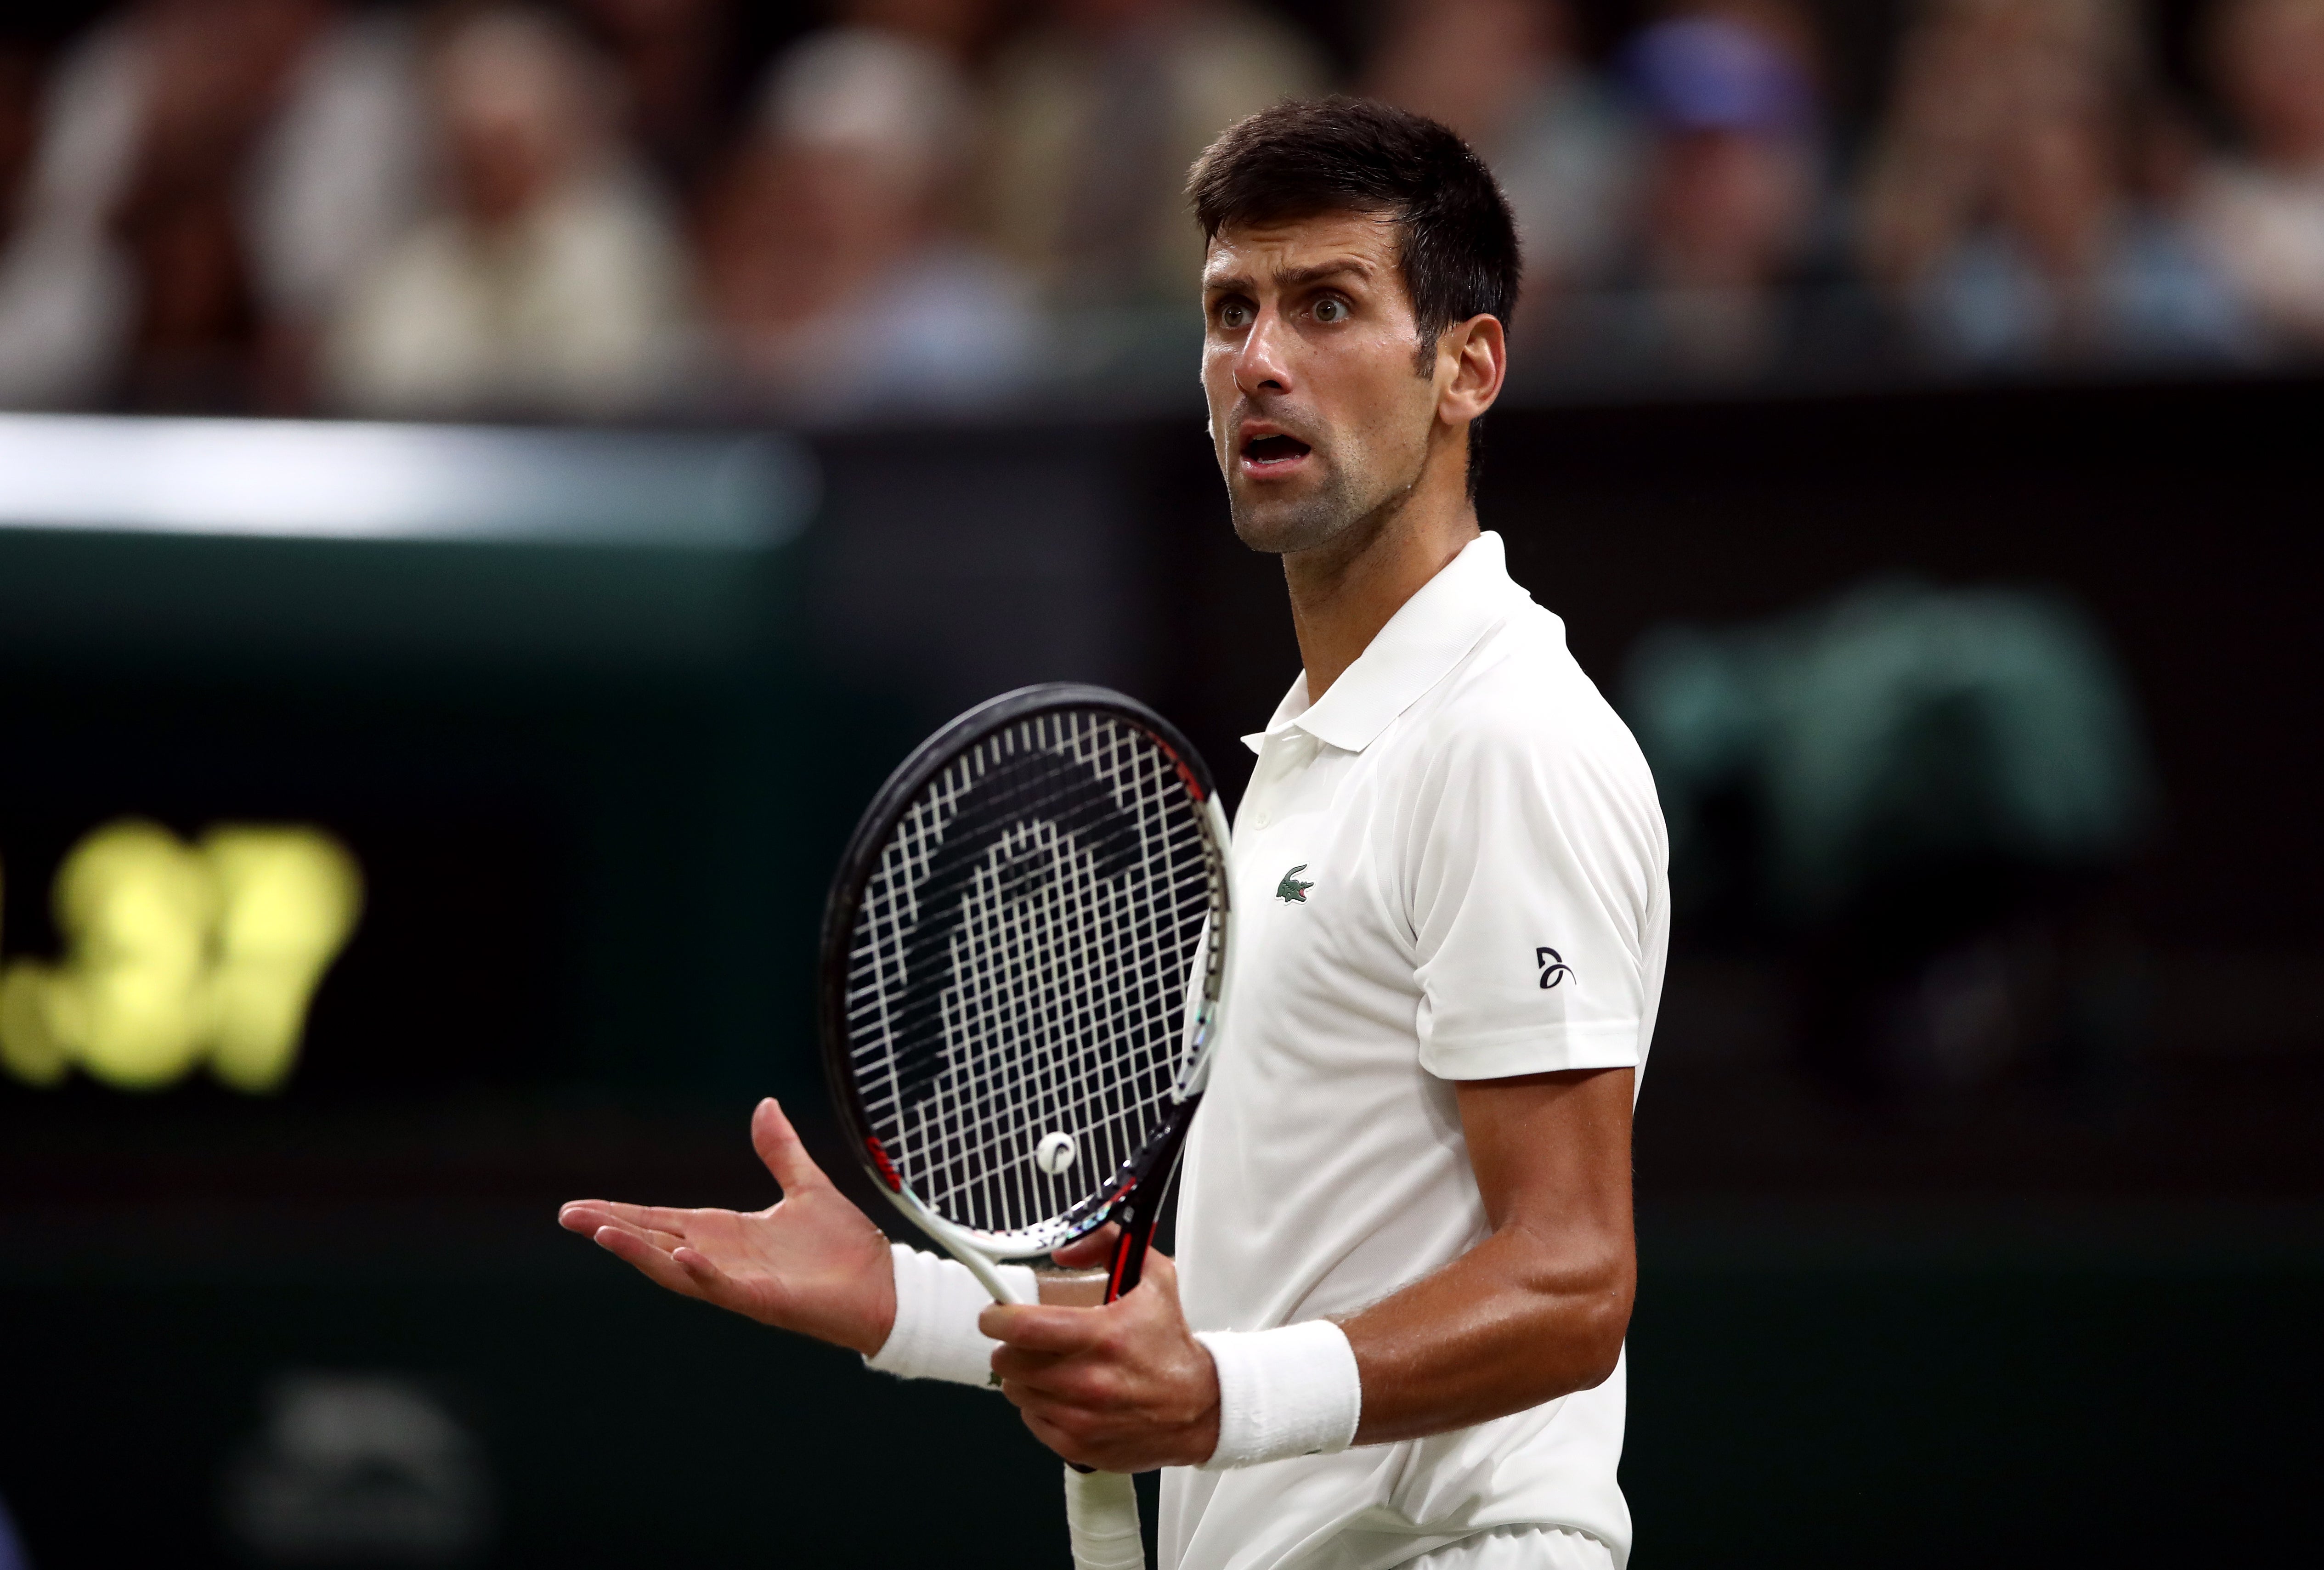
{"x": 1291, "y": 891}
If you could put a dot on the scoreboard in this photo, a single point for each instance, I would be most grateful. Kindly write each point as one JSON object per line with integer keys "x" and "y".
{"x": 181, "y": 956}
{"x": 360, "y": 760}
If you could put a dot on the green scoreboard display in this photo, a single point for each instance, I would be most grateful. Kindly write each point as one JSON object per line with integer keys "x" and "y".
{"x": 355, "y": 759}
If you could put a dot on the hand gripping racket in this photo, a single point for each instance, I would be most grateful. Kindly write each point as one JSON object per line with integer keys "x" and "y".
{"x": 1024, "y": 961}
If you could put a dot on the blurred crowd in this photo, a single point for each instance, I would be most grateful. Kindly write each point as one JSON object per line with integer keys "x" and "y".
{"x": 602, "y": 209}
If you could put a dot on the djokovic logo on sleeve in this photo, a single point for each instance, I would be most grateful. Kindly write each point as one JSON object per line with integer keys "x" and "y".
{"x": 1554, "y": 968}
{"x": 1291, "y": 891}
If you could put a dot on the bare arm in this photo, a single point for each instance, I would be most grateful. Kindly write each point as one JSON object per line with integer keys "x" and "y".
{"x": 1539, "y": 1308}
{"x": 1534, "y": 1311}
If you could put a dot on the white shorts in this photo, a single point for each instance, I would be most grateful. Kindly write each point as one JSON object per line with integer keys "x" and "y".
{"x": 1520, "y": 1548}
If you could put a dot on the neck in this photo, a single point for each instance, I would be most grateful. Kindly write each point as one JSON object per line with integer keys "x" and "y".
{"x": 1343, "y": 593}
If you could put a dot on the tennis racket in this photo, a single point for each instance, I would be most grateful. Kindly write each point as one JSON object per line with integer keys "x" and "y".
{"x": 1024, "y": 964}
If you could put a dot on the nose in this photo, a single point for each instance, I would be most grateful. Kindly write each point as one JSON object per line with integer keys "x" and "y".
{"x": 1263, "y": 365}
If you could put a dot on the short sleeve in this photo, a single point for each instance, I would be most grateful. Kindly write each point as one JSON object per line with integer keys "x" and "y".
{"x": 1536, "y": 864}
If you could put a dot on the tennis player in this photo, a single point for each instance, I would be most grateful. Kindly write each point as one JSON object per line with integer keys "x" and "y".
{"x": 1394, "y": 1334}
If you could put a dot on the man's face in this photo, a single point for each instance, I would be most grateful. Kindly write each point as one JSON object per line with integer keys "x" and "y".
{"x": 1319, "y": 418}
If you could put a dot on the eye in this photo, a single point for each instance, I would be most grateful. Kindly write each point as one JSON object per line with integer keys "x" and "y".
{"x": 1234, "y": 313}
{"x": 1331, "y": 309}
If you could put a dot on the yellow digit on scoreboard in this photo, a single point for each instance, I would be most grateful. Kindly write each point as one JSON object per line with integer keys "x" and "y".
{"x": 178, "y": 956}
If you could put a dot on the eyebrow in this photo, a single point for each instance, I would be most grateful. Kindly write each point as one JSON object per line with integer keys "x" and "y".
{"x": 1297, "y": 276}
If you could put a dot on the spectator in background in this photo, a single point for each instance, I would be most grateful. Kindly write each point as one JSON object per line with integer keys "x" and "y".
{"x": 223, "y": 167}
{"x": 959, "y": 29}
{"x": 2001, "y": 208}
{"x": 1506, "y": 75}
{"x": 833, "y": 265}
{"x": 2263, "y": 212}
{"x": 549, "y": 281}
{"x": 1732, "y": 211}
{"x": 1099, "y": 112}
{"x": 211, "y": 72}
{"x": 671, "y": 60}
{"x": 66, "y": 296}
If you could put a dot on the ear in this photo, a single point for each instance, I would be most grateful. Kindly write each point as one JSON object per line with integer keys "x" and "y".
{"x": 1473, "y": 360}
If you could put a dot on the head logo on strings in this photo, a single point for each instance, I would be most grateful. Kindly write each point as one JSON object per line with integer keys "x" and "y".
{"x": 1028, "y": 824}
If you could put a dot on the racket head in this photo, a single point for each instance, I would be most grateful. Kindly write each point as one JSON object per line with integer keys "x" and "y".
{"x": 1023, "y": 957}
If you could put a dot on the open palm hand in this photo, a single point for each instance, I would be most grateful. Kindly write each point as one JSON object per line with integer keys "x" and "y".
{"x": 812, "y": 1262}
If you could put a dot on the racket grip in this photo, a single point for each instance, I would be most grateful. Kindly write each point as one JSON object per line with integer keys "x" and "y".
{"x": 1101, "y": 1519}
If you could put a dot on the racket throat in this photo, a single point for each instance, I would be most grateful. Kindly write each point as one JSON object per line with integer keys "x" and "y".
{"x": 1122, "y": 1275}
{"x": 1135, "y": 1213}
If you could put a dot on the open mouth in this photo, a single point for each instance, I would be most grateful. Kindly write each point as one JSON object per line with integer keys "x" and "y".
{"x": 1260, "y": 452}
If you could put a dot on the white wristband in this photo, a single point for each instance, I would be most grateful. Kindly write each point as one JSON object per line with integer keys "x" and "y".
{"x": 938, "y": 1300}
{"x": 1292, "y": 1391}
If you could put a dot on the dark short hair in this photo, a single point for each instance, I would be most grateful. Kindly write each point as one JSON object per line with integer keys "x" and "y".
{"x": 1459, "y": 243}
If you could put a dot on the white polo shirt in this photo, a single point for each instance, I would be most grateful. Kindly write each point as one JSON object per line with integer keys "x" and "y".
{"x": 1452, "y": 867}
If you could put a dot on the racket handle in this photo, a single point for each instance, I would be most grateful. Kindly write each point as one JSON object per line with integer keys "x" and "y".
{"x": 1137, "y": 1223}
{"x": 1102, "y": 1507}
{"x": 1101, "y": 1519}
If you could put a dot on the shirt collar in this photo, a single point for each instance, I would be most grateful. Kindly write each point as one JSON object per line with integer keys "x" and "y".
{"x": 1430, "y": 633}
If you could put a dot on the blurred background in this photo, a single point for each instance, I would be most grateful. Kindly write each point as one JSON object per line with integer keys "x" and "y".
{"x": 486, "y": 494}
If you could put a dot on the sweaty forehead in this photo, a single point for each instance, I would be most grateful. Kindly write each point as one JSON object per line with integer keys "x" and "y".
{"x": 1261, "y": 250}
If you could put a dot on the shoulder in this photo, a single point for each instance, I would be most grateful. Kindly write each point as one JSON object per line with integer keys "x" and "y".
{"x": 1518, "y": 735}
{"x": 1517, "y": 767}
{"x": 1521, "y": 694}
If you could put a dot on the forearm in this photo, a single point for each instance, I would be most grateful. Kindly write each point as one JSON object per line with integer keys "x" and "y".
{"x": 1517, "y": 1320}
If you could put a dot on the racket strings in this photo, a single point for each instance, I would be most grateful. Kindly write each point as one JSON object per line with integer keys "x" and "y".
{"x": 991, "y": 1017}
{"x": 1073, "y": 1093}
{"x": 1021, "y": 964}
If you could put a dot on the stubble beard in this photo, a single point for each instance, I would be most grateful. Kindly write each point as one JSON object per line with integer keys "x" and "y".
{"x": 1338, "y": 512}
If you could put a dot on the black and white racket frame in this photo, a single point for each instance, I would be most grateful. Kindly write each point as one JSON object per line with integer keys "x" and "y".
{"x": 1132, "y": 1196}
